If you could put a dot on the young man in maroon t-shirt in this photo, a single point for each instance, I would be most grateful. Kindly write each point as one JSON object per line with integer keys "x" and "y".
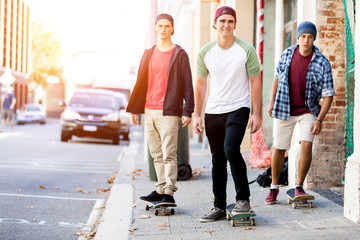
{"x": 303, "y": 76}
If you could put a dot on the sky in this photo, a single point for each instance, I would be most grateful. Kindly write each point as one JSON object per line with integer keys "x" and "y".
{"x": 99, "y": 37}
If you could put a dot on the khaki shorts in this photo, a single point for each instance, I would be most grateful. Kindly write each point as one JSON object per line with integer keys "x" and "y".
{"x": 7, "y": 113}
{"x": 283, "y": 130}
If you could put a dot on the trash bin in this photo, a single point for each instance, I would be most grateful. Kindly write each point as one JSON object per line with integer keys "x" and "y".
{"x": 184, "y": 168}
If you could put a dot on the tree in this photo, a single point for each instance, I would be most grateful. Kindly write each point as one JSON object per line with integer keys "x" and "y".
{"x": 46, "y": 55}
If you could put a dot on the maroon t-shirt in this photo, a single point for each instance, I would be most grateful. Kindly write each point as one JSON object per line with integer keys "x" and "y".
{"x": 297, "y": 83}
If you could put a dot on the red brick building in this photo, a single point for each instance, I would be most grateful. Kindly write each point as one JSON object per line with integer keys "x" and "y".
{"x": 15, "y": 45}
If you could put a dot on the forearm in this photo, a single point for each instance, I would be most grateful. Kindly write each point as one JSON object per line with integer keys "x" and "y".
{"x": 200, "y": 92}
{"x": 13, "y": 102}
{"x": 325, "y": 106}
{"x": 256, "y": 94}
{"x": 274, "y": 90}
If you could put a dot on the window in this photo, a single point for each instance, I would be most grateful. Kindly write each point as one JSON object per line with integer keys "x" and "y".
{"x": 290, "y": 24}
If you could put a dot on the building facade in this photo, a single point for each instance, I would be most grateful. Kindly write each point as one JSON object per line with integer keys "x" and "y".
{"x": 15, "y": 46}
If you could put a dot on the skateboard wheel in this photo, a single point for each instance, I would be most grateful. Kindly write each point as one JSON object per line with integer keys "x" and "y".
{"x": 156, "y": 212}
{"x": 311, "y": 204}
{"x": 147, "y": 207}
{"x": 172, "y": 211}
{"x": 289, "y": 201}
{"x": 294, "y": 205}
{"x": 253, "y": 222}
{"x": 232, "y": 223}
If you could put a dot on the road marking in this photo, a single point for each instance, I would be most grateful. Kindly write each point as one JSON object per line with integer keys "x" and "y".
{"x": 42, "y": 223}
{"x": 49, "y": 197}
{"x": 57, "y": 169}
{"x": 60, "y": 160}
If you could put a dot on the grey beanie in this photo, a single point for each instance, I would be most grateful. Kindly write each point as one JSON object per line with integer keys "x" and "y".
{"x": 306, "y": 27}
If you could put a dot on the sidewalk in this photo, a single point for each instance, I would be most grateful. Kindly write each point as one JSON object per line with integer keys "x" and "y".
{"x": 124, "y": 210}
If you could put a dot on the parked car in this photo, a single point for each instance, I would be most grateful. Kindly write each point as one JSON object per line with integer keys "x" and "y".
{"x": 91, "y": 113}
{"x": 31, "y": 113}
{"x": 124, "y": 116}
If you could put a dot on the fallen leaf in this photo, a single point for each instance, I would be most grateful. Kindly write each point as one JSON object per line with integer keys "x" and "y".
{"x": 103, "y": 189}
{"x": 209, "y": 231}
{"x": 20, "y": 190}
{"x": 42, "y": 187}
{"x": 19, "y": 198}
{"x": 80, "y": 190}
{"x": 144, "y": 216}
{"x": 132, "y": 229}
{"x": 55, "y": 188}
{"x": 138, "y": 170}
{"x": 92, "y": 234}
{"x": 162, "y": 228}
{"x": 100, "y": 221}
{"x": 163, "y": 225}
{"x": 255, "y": 206}
{"x": 79, "y": 233}
{"x": 33, "y": 220}
{"x": 31, "y": 207}
{"x": 196, "y": 172}
{"x": 111, "y": 180}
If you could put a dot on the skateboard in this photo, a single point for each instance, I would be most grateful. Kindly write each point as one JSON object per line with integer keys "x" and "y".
{"x": 241, "y": 218}
{"x": 160, "y": 207}
{"x": 299, "y": 200}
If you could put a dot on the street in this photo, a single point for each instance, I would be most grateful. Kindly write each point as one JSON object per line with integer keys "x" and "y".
{"x": 49, "y": 188}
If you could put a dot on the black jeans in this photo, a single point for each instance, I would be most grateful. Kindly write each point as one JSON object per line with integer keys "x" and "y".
{"x": 225, "y": 133}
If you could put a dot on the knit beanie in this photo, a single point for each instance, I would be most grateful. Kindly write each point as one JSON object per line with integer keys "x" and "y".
{"x": 306, "y": 27}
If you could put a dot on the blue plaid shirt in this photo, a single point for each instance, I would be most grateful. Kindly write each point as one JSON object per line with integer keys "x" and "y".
{"x": 319, "y": 83}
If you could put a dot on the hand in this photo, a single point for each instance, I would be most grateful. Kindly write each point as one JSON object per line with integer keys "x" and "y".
{"x": 270, "y": 108}
{"x": 316, "y": 128}
{"x": 197, "y": 125}
{"x": 134, "y": 119}
{"x": 185, "y": 121}
{"x": 254, "y": 124}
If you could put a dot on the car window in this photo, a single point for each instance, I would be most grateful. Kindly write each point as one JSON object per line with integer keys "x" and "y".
{"x": 93, "y": 100}
{"x": 32, "y": 108}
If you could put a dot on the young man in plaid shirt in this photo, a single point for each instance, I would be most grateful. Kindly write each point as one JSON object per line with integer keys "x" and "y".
{"x": 303, "y": 76}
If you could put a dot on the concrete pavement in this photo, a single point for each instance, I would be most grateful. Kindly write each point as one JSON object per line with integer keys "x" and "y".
{"x": 125, "y": 216}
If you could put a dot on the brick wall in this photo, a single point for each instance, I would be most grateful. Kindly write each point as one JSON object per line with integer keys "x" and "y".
{"x": 328, "y": 164}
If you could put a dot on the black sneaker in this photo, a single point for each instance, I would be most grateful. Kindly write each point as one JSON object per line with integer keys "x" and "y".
{"x": 168, "y": 199}
{"x": 153, "y": 196}
{"x": 214, "y": 215}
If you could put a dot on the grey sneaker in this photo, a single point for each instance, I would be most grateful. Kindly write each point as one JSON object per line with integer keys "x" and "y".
{"x": 241, "y": 206}
{"x": 213, "y": 215}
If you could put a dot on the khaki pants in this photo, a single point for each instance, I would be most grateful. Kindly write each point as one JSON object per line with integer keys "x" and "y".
{"x": 162, "y": 134}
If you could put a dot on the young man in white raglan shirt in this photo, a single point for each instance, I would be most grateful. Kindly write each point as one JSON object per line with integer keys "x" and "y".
{"x": 232, "y": 65}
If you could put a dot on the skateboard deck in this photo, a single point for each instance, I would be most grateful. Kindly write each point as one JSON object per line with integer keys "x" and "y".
{"x": 160, "y": 207}
{"x": 299, "y": 200}
{"x": 241, "y": 218}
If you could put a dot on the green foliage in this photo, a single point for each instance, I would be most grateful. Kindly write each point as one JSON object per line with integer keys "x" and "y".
{"x": 45, "y": 56}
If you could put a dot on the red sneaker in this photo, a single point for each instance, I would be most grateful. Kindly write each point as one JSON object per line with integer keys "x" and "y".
{"x": 299, "y": 191}
{"x": 271, "y": 197}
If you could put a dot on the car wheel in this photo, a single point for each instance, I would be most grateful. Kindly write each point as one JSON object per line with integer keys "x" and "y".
{"x": 42, "y": 122}
{"x": 65, "y": 136}
{"x": 126, "y": 136}
{"x": 115, "y": 140}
